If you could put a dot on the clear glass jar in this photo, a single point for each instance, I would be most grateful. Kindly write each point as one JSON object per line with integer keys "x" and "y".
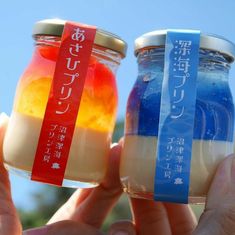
{"x": 88, "y": 154}
{"x": 214, "y": 117}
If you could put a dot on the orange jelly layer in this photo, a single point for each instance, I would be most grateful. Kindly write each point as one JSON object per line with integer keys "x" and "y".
{"x": 99, "y": 98}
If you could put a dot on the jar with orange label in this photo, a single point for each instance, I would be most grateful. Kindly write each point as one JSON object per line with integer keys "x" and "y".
{"x": 87, "y": 160}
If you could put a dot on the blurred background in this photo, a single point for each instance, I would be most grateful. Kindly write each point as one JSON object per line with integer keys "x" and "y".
{"x": 129, "y": 19}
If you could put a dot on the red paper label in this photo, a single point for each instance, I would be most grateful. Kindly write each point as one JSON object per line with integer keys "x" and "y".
{"x": 63, "y": 103}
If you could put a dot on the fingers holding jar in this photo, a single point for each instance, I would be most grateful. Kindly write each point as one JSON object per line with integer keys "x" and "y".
{"x": 91, "y": 206}
{"x": 9, "y": 219}
{"x": 219, "y": 215}
{"x": 3, "y": 126}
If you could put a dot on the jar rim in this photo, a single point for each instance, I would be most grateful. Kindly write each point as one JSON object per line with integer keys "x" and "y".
{"x": 55, "y": 27}
{"x": 207, "y": 41}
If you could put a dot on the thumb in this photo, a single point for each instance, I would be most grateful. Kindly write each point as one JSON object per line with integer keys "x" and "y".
{"x": 5, "y": 189}
{"x": 9, "y": 220}
{"x": 66, "y": 227}
{"x": 219, "y": 215}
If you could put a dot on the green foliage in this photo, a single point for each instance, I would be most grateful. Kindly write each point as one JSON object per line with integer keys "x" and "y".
{"x": 47, "y": 201}
{"x": 118, "y": 131}
{"x": 31, "y": 219}
{"x": 198, "y": 209}
{"x": 121, "y": 211}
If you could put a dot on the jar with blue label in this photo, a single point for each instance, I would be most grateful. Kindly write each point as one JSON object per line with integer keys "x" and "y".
{"x": 179, "y": 117}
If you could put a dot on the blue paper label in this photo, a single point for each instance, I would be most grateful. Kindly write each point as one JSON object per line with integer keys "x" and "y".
{"x": 177, "y": 112}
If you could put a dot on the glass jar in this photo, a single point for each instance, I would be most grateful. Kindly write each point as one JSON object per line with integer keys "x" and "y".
{"x": 214, "y": 116}
{"x": 88, "y": 154}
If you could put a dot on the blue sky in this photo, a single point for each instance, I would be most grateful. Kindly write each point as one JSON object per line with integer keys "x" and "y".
{"x": 128, "y": 19}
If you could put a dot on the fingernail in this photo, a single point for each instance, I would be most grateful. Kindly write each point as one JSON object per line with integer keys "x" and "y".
{"x": 37, "y": 231}
{"x": 114, "y": 144}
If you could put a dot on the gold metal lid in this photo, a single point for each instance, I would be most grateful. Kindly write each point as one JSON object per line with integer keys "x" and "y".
{"x": 55, "y": 27}
{"x": 207, "y": 41}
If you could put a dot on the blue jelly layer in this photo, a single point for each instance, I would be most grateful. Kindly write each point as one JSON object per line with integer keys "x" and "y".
{"x": 214, "y": 115}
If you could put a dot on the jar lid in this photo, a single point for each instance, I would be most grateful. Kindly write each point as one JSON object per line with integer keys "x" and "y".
{"x": 55, "y": 27}
{"x": 207, "y": 41}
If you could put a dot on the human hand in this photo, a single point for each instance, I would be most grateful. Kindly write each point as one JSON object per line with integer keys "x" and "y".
{"x": 219, "y": 215}
{"x": 84, "y": 212}
{"x": 9, "y": 220}
{"x": 150, "y": 218}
